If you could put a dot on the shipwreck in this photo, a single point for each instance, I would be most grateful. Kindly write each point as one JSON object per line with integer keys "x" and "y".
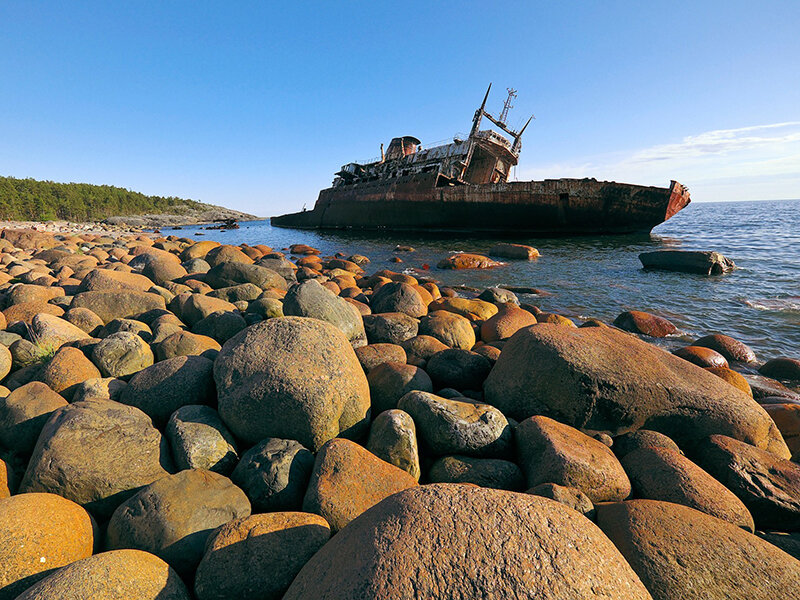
{"x": 464, "y": 186}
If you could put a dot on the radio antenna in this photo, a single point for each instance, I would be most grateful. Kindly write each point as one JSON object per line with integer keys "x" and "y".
{"x": 512, "y": 93}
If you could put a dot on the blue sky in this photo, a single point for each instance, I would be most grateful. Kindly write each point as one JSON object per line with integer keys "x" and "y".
{"x": 254, "y": 105}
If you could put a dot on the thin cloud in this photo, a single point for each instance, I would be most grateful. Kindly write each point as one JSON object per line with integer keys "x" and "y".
{"x": 706, "y": 162}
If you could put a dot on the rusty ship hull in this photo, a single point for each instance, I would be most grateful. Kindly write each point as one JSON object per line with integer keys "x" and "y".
{"x": 549, "y": 207}
{"x": 464, "y": 186}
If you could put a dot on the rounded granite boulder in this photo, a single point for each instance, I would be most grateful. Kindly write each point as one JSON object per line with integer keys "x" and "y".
{"x": 292, "y": 378}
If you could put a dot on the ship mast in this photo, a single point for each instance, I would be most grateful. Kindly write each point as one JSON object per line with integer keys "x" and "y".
{"x": 501, "y": 120}
{"x": 512, "y": 93}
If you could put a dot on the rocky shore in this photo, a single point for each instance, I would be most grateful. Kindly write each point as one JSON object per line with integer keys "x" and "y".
{"x": 183, "y": 419}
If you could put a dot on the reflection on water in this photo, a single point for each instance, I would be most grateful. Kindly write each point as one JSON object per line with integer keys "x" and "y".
{"x": 602, "y": 276}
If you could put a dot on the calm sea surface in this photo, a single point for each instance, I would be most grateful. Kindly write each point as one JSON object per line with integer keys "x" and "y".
{"x": 759, "y": 303}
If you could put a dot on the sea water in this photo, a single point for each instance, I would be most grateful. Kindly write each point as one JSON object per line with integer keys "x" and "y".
{"x": 601, "y": 276}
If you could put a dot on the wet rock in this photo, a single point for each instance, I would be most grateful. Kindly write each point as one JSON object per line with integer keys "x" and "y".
{"x": 767, "y": 485}
{"x": 347, "y": 480}
{"x": 162, "y": 388}
{"x": 185, "y": 343}
{"x": 662, "y": 474}
{"x": 117, "y": 304}
{"x": 702, "y": 263}
{"x": 274, "y": 474}
{"x": 765, "y": 389}
{"x": 395, "y": 550}
{"x": 732, "y": 377}
{"x": 372, "y": 355}
{"x": 389, "y": 382}
{"x": 782, "y": 368}
{"x": 498, "y": 296}
{"x": 96, "y": 453}
{"x": 293, "y": 378}
{"x": 643, "y": 438}
{"x": 310, "y": 299}
{"x": 453, "y": 330}
{"x": 623, "y": 384}
{"x": 458, "y": 426}
{"x": 459, "y": 369}
{"x": 467, "y": 261}
{"x": 515, "y": 251}
{"x": 122, "y": 354}
{"x": 551, "y": 452}
{"x": 568, "y": 496}
{"x": 23, "y": 414}
{"x": 399, "y": 297}
{"x": 38, "y": 534}
{"x": 68, "y": 368}
{"x": 173, "y": 517}
{"x": 200, "y": 440}
{"x": 680, "y": 553}
{"x": 485, "y": 472}
{"x": 390, "y": 328}
{"x": 702, "y": 357}
{"x": 645, "y": 323}
{"x": 731, "y": 349}
{"x": 508, "y": 320}
{"x": 270, "y": 548}
{"x": 393, "y": 438}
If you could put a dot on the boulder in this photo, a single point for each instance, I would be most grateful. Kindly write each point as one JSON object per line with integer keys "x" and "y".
{"x": 24, "y": 292}
{"x": 679, "y": 552}
{"x": 467, "y": 261}
{"x": 173, "y": 517}
{"x": 200, "y": 440}
{"x": 458, "y": 426}
{"x": 453, "y": 330}
{"x": 220, "y": 325}
{"x": 662, "y": 474}
{"x": 226, "y": 254}
{"x": 421, "y": 347}
{"x": 395, "y": 550}
{"x": 310, "y": 299}
{"x": 53, "y": 332}
{"x": 233, "y": 273}
{"x": 96, "y": 453}
{"x": 515, "y": 251}
{"x": 508, "y": 320}
{"x": 68, "y": 368}
{"x": 274, "y": 474}
{"x": 459, "y": 369}
{"x": 122, "y": 354}
{"x": 606, "y": 380}
{"x": 551, "y": 452}
{"x": 645, "y": 323}
{"x": 782, "y": 368}
{"x": 393, "y": 438}
{"x": 731, "y": 349}
{"x": 702, "y": 263}
{"x": 485, "y": 472}
{"x": 271, "y": 549}
{"x": 99, "y": 388}
{"x": 106, "y": 279}
{"x": 389, "y": 382}
{"x": 768, "y": 485}
{"x": 6, "y": 361}
{"x": 116, "y": 575}
{"x": 162, "y": 271}
{"x": 702, "y": 357}
{"x": 192, "y": 308}
{"x": 497, "y": 295}
{"x": 732, "y": 377}
{"x": 38, "y": 534}
{"x": 373, "y": 355}
{"x": 118, "y": 304}
{"x": 27, "y": 310}
{"x": 399, "y": 297}
{"x": 130, "y": 325}
{"x": 84, "y": 319}
{"x": 569, "y": 496}
{"x": 643, "y": 438}
{"x": 162, "y": 388}
{"x": 23, "y": 414}
{"x": 474, "y": 310}
{"x": 235, "y": 293}
{"x": 787, "y": 418}
{"x": 185, "y": 343}
{"x": 347, "y": 480}
{"x": 292, "y": 378}
{"x": 390, "y": 328}
{"x": 198, "y": 250}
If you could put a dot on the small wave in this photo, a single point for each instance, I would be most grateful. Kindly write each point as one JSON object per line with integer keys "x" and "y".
{"x": 791, "y": 304}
